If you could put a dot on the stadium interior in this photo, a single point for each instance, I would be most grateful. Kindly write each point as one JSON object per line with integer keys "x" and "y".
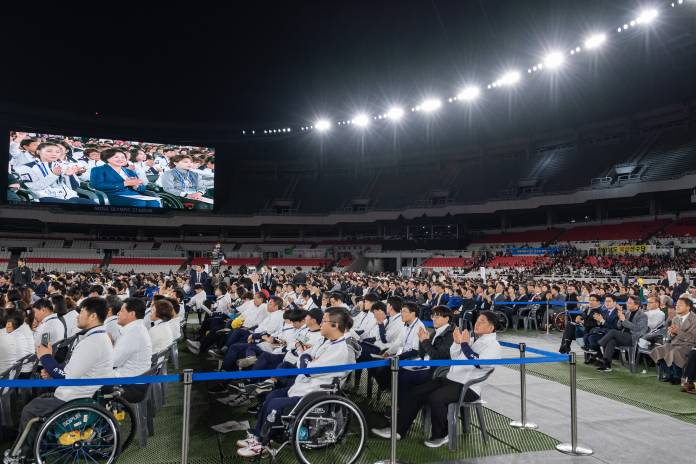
{"x": 504, "y": 275}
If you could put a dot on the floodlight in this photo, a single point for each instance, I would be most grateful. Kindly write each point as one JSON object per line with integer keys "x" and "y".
{"x": 322, "y": 125}
{"x": 469, "y": 94}
{"x": 509, "y": 78}
{"x": 554, "y": 60}
{"x": 647, "y": 16}
{"x": 595, "y": 41}
{"x": 361, "y": 120}
{"x": 395, "y": 113}
{"x": 430, "y": 104}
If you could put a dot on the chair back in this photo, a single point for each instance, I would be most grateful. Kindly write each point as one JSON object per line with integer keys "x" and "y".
{"x": 472, "y": 382}
{"x": 13, "y": 372}
{"x": 159, "y": 360}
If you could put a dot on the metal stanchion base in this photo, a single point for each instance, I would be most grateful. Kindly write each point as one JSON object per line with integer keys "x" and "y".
{"x": 389, "y": 461}
{"x": 526, "y": 425}
{"x": 567, "y": 448}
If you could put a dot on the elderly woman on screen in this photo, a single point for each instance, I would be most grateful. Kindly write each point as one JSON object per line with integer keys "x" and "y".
{"x": 181, "y": 180}
{"x": 120, "y": 184}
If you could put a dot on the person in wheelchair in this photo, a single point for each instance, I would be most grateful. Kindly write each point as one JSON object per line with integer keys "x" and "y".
{"x": 93, "y": 357}
{"x": 333, "y": 350}
{"x": 181, "y": 180}
{"x": 121, "y": 185}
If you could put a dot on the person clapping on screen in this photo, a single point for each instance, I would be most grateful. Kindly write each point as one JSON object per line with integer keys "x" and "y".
{"x": 121, "y": 185}
{"x": 48, "y": 180}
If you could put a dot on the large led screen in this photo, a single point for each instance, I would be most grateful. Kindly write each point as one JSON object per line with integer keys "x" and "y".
{"x": 88, "y": 171}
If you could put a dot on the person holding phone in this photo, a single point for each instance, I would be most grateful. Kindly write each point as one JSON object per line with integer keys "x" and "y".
{"x": 120, "y": 184}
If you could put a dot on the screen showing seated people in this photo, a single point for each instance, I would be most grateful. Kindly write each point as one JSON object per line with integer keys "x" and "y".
{"x": 74, "y": 170}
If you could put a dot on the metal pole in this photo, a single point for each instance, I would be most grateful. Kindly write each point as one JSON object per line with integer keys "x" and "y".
{"x": 548, "y": 329}
{"x": 394, "y": 367}
{"x": 186, "y": 416}
{"x": 523, "y": 424}
{"x": 572, "y": 448}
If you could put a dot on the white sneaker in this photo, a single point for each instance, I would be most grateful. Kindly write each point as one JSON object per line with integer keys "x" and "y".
{"x": 384, "y": 433}
{"x": 250, "y": 440}
{"x": 436, "y": 442}
{"x": 251, "y": 451}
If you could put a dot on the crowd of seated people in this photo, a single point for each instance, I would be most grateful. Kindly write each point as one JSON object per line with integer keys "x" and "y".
{"x": 60, "y": 169}
{"x": 271, "y": 320}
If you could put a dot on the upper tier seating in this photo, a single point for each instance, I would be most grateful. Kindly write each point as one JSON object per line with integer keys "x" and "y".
{"x": 639, "y": 230}
{"x": 447, "y": 262}
{"x": 527, "y": 236}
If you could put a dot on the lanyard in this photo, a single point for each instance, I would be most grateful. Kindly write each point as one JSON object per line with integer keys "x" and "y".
{"x": 44, "y": 170}
{"x": 410, "y": 329}
{"x": 186, "y": 181}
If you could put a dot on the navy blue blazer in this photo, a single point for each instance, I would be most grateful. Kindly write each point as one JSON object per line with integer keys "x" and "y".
{"x": 107, "y": 180}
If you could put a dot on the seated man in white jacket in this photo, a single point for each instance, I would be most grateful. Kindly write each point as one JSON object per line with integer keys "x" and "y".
{"x": 271, "y": 324}
{"x": 133, "y": 348}
{"x": 441, "y": 391}
{"x": 334, "y": 350}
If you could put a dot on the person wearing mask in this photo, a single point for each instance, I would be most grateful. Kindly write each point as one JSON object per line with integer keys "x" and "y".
{"x": 439, "y": 392}
{"x": 133, "y": 349}
{"x": 334, "y": 350}
{"x": 92, "y": 357}
{"x": 629, "y": 328}
{"x": 672, "y": 357}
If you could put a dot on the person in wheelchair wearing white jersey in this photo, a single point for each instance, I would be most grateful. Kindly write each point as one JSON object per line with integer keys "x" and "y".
{"x": 332, "y": 351}
{"x": 92, "y": 357}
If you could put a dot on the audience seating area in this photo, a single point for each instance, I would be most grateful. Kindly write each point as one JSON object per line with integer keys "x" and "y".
{"x": 516, "y": 261}
{"x": 526, "y": 237}
{"x": 447, "y": 262}
{"x": 623, "y": 231}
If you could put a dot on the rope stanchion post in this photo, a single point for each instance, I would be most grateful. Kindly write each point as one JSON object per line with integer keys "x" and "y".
{"x": 394, "y": 367}
{"x": 186, "y": 416}
{"x": 522, "y": 423}
{"x": 573, "y": 448}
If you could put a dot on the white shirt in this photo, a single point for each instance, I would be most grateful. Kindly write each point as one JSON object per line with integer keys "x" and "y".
{"x": 254, "y": 315}
{"x": 271, "y": 324}
{"x": 224, "y": 304}
{"x": 93, "y": 357}
{"x": 8, "y": 351}
{"x": 393, "y": 331}
{"x": 487, "y": 347}
{"x": 175, "y": 327}
{"x": 161, "y": 336}
{"x": 655, "y": 318}
{"x": 197, "y": 300}
{"x": 408, "y": 339}
{"x": 326, "y": 354}
{"x": 112, "y": 328}
{"x": 364, "y": 323}
{"x": 24, "y": 343}
{"x": 306, "y": 337}
{"x": 133, "y": 351}
{"x": 70, "y": 319}
{"x": 52, "y": 326}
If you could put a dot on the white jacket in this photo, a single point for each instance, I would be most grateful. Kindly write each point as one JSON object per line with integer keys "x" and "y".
{"x": 485, "y": 347}
{"x": 327, "y": 353}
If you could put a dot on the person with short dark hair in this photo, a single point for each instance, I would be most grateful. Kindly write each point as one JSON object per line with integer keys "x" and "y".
{"x": 133, "y": 349}
{"x": 49, "y": 322}
{"x": 92, "y": 357}
{"x": 21, "y": 275}
{"x": 628, "y": 332}
{"x": 441, "y": 391}
{"x": 121, "y": 185}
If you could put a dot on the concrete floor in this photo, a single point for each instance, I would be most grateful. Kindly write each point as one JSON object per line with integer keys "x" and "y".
{"x": 616, "y": 432}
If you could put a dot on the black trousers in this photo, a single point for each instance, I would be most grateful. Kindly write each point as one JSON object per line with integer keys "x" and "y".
{"x": 38, "y": 407}
{"x": 691, "y": 366}
{"x": 437, "y": 394}
{"x": 611, "y": 340}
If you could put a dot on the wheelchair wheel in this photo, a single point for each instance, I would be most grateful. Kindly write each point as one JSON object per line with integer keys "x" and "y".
{"x": 502, "y": 324}
{"x": 559, "y": 321}
{"x": 78, "y": 434}
{"x": 123, "y": 412}
{"x": 330, "y": 430}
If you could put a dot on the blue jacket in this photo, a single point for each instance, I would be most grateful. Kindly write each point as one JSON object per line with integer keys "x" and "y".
{"x": 107, "y": 180}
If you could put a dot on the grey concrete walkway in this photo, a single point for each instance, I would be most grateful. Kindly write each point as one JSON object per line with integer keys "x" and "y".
{"x": 618, "y": 433}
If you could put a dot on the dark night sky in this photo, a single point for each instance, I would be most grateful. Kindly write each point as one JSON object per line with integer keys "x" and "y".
{"x": 270, "y": 63}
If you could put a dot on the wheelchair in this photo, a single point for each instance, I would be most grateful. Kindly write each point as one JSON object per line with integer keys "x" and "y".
{"x": 324, "y": 427}
{"x": 92, "y": 430}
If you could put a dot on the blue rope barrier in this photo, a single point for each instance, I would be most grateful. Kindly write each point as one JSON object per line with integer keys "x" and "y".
{"x": 40, "y": 383}
{"x": 483, "y": 362}
{"x": 546, "y": 357}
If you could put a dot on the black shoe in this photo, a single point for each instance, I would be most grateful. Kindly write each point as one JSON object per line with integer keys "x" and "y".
{"x": 589, "y": 359}
{"x": 605, "y": 367}
{"x": 675, "y": 381}
{"x": 665, "y": 379}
